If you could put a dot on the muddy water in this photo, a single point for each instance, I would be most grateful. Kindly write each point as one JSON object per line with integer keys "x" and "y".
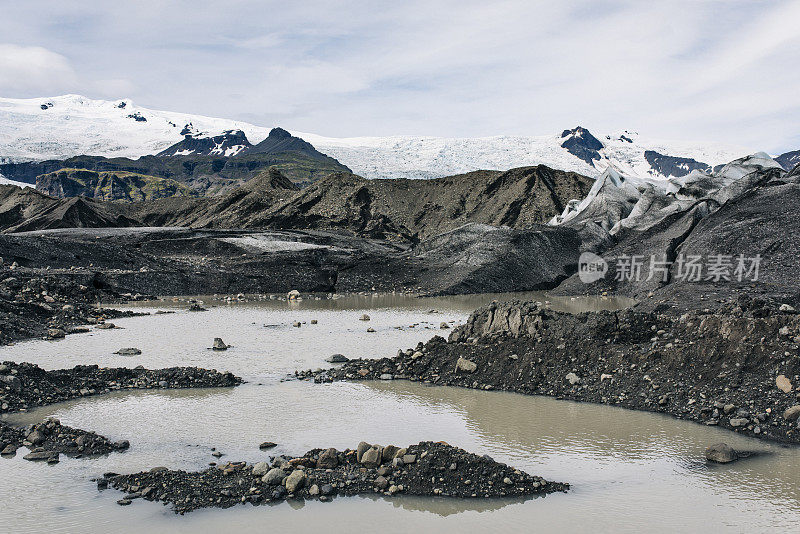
{"x": 630, "y": 472}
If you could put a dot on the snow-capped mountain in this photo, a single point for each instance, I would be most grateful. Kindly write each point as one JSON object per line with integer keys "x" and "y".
{"x": 71, "y": 125}
{"x": 64, "y": 126}
{"x": 227, "y": 144}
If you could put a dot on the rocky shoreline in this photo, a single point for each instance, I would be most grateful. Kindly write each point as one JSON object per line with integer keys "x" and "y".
{"x": 425, "y": 469}
{"x": 736, "y": 367}
{"x": 49, "y": 439}
{"x": 25, "y": 385}
{"x": 38, "y": 303}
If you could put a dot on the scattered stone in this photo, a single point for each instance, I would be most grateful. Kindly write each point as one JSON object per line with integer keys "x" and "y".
{"x": 293, "y": 294}
{"x": 128, "y": 351}
{"x": 573, "y": 379}
{"x": 792, "y": 413}
{"x": 267, "y": 445}
{"x": 55, "y": 333}
{"x": 105, "y": 326}
{"x": 364, "y": 317}
{"x": 783, "y": 383}
{"x": 260, "y": 469}
{"x": 337, "y": 358}
{"x": 444, "y": 326}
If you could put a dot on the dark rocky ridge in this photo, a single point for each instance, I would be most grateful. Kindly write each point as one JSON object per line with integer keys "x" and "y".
{"x": 228, "y": 143}
{"x": 25, "y": 385}
{"x": 405, "y": 210}
{"x": 426, "y": 469}
{"x": 789, "y": 160}
{"x": 279, "y": 141}
{"x": 736, "y": 367}
{"x": 417, "y": 209}
{"x": 672, "y": 165}
{"x": 208, "y": 174}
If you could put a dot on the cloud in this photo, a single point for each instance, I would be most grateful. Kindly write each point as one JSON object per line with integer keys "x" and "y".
{"x": 26, "y": 69}
{"x": 686, "y": 69}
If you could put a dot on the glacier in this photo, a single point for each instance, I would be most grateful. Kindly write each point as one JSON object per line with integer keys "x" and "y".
{"x": 59, "y": 127}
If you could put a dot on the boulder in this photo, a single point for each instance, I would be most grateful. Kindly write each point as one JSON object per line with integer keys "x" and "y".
{"x": 372, "y": 457}
{"x": 337, "y": 358}
{"x": 260, "y": 469}
{"x": 464, "y": 365}
{"x": 389, "y": 452}
{"x": 361, "y": 449}
{"x": 792, "y": 413}
{"x": 57, "y": 333}
{"x": 573, "y": 379}
{"x": 738, "y": 421}
{"x": 328, "y": 459}
{"x": 295, "y": 481}
{"x": 721, "y": 453}
{"x": 36, "y": 437}
{"x": 274, "y": 476}
{"x": 783, "y": 383}
{"x": 219, "y": 344}
{"x": 128, "y": 351}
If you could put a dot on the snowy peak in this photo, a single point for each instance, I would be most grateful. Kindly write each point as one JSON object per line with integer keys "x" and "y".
{"x": 61, "y": 127}
{"x": 582, "y": 144}
{"x": 227, "y": 144}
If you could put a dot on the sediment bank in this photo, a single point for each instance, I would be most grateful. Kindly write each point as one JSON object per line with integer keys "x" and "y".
{"x": 425, "y": 469}
{"x": 737, "y": 367}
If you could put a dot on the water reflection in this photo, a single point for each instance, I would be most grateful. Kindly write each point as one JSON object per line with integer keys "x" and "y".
{"x": 629, "y": 471}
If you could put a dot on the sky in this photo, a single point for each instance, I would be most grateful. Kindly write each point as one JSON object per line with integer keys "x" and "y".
{"x": 695, "y": 70}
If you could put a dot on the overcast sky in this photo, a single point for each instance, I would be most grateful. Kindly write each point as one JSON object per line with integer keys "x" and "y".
{"x": 724, "y": 71}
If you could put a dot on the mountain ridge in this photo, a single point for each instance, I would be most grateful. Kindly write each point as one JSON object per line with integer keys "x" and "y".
{"x": 60, "y": 127}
